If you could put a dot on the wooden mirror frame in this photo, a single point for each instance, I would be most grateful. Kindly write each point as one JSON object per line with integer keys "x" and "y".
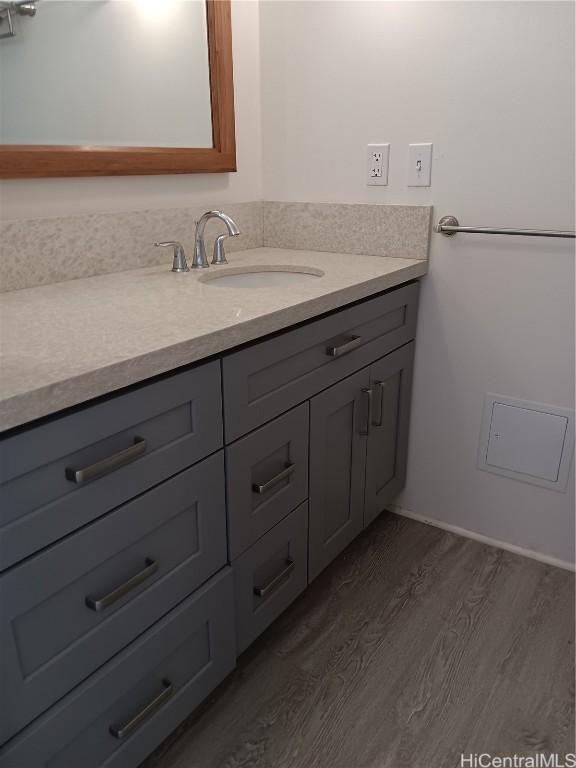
{"x": 30, "y": 161}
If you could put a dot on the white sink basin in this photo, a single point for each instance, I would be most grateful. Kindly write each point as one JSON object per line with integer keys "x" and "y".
{"x": 265, "y": 276}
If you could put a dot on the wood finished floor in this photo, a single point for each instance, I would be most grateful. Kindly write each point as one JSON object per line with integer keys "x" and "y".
{"x": 414, "y": 646}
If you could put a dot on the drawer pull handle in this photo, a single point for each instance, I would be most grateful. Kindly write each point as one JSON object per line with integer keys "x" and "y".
{"x": 343, "y": 349}
{"x": 121, "y": 731}
{"x": 263, "y": 591}
{"x": 105, "y": 466}
{"x": 265, "y": 487}
{"x": 380, "y": 387}
{"x": 367, "y": 395}
{"x": 100, "y": 603}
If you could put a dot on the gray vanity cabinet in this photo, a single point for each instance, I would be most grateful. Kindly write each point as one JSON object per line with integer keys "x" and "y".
{"x": 146, "y": 541}
{"x": 390, "y": 387}
{"x": 338, "y": 425}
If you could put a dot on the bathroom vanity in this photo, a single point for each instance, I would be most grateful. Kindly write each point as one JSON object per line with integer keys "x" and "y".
{"x": 150, "y": 535}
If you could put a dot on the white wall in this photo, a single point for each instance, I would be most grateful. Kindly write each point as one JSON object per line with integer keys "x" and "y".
{"x": 109, "y": 74}
{"x": 492, "y": 85}
{"x": 55, "y": 197}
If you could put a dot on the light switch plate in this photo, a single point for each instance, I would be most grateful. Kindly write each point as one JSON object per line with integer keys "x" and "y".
{"x": 527, "y": 441}
{"x": 419, "y": 165}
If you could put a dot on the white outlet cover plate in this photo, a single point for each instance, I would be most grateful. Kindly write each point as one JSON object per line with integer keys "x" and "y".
{"x": 531, "y": 442}
{"x": 380, "y": 166}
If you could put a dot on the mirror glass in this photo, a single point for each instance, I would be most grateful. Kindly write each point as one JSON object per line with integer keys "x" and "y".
{"x": 115, "y": 73}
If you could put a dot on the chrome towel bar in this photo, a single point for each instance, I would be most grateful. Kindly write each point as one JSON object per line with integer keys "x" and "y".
{"x": 449, "y": 225}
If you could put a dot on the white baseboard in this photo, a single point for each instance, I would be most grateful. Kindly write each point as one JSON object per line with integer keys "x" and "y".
{"x": 398, "y": 510}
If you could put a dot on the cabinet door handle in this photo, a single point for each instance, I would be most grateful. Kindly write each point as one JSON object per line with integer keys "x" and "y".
{"x": 265, "y": 487}
{"x": 380, "y": 387}
{"x": 125, "y": 729}
{"x": 343, "y": 349}
{"x": 263, "y": 591}
{"x": 367, "y": 396}
{"x": 100, "y": 603}
{"x": 107, "y": 465}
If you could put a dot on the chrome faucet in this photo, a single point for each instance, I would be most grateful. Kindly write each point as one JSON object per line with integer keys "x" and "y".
{"x": 199, "y": 260}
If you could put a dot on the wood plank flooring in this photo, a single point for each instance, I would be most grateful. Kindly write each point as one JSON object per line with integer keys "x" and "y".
{"x": 415, "y": 646}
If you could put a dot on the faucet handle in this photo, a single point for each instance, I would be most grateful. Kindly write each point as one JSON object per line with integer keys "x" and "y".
{"x": 219, "y": 256}
{"x": 179, "y": 263}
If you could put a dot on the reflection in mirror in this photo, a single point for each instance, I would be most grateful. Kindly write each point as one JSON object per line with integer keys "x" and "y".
{"x": 131, "y": 73}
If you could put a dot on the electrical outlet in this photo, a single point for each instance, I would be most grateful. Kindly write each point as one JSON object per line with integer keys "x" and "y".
{"x": 377, "y": 164}
{"x": 419, "y": 165}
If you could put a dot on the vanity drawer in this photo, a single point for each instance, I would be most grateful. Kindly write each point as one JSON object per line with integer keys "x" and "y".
{"x": 267, "y": 474}
{"x": 270, "y": 575}
{"x": 266, "y": 379}
{"x": 165, "y": 673}
{"x": 69, "y": 609}
{"x": 59, "y": 476}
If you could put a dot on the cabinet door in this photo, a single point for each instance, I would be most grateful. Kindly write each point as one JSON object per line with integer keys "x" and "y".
{"x": 390, "y": 384}
{"x": 338, "y": 425}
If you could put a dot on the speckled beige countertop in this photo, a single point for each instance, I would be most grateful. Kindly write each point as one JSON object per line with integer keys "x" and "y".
{"x": 66, "y": 343}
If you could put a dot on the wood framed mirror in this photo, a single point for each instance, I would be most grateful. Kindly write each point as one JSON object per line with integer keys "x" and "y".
{"x": 27, "y": 161}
